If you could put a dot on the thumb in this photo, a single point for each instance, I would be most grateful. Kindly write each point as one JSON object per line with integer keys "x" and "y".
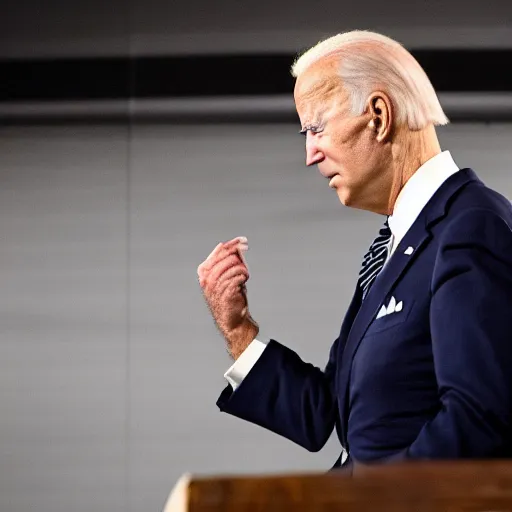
{"x": 241, "y": 251}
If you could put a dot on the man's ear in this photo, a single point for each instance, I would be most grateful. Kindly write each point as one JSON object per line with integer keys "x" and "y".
{"x": 381, "y": 121}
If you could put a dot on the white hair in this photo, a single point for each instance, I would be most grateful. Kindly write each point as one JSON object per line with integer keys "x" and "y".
{"x": 370, "y": 61}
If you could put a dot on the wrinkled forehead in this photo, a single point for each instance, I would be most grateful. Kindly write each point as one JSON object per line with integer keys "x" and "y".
{"x": 318, "y": 86}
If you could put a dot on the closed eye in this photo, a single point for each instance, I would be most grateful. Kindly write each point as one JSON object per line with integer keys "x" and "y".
{"x": 312, "y": 129}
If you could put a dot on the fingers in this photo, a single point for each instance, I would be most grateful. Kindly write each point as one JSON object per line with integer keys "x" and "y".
{"x": 222, "y": 249}
{"x": 222, "y": 272}
{"x": 220, "y": 252}
{"x": 219, "y": 267}
{"x": 232, "y": 278}
{"x": 241, "y": 250}
{"x": 222, "y": 266}
{"x": 222, "y": 277}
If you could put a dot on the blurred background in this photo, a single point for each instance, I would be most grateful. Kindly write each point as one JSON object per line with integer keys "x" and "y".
{"x": 134, "y": 136}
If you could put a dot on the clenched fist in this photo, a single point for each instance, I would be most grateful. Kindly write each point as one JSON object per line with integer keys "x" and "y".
{"x": 222, "y": 277}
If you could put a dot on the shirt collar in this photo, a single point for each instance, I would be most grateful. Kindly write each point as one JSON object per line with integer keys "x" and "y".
{"x": 418, "y": 191}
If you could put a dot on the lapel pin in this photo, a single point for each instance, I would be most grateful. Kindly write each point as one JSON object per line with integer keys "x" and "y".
{"x": 409, "y": 250}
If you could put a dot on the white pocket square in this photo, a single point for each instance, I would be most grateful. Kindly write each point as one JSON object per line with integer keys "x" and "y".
{"x": 393, "y": 307}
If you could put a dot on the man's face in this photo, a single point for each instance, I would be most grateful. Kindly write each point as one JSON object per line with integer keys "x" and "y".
{"x": 343, "y": 146}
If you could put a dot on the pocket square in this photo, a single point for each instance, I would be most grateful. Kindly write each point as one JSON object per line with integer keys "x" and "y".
{"x": 393, "y": 307}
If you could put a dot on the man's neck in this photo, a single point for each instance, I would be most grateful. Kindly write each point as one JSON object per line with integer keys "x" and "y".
{"x": 410, "y": 152}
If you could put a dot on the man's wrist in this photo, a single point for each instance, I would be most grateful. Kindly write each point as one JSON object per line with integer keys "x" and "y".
{"x": 242, "y": 337}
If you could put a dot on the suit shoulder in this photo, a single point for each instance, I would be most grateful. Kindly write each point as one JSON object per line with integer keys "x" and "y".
{"x": 478, "y": 201}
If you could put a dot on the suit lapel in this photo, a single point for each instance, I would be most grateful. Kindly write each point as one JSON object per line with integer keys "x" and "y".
{"x": 383, "y": 284}
{"x": 417, "y": 237}
{"x": 348, "y": 321}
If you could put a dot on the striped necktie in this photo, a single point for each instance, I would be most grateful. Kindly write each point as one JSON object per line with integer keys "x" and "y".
{"x": 374, "y": 259}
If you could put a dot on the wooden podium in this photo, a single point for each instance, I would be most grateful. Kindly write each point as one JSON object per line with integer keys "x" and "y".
{"x": 476, "y": 486}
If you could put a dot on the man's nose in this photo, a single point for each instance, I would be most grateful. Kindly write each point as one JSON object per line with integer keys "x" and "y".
{"x": 313, "y": 153}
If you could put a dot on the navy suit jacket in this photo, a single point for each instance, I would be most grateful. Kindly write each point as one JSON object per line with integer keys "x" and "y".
{"x": 432, "y": 380}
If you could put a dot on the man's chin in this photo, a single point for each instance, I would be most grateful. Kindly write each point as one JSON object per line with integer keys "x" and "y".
{"x": 347, "y": 198}
{"x": 343, "y": 196}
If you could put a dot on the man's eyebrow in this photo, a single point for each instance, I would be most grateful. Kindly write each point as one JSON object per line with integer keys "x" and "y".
{"x": 316, "y": 116}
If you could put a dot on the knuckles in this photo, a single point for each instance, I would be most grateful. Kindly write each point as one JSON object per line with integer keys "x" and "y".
{"x": 211, "y": 272}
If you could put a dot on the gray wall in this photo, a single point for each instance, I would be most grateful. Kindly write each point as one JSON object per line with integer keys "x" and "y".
{"x": 117, "y": 27}
{"x": 109, "y": 363}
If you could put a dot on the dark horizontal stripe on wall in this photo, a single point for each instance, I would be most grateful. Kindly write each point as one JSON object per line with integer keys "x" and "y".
{"x": 200, "y": 76}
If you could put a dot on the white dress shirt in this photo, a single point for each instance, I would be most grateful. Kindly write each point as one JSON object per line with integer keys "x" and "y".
{"x": 413, "y": 197}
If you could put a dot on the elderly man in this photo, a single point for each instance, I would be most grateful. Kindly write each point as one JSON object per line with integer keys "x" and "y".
{"x": 422, "y": 366}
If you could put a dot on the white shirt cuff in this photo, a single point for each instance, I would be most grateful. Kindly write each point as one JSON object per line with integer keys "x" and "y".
{"x": 243, "y": 365}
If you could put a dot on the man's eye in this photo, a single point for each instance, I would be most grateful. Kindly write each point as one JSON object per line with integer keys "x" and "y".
{"x": 312, "y": 129}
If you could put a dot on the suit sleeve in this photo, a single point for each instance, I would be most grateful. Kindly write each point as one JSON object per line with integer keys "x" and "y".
{"x": 287, "y": 396}
{"x": 237, "y": 372}
{"x": 471, "y": 328}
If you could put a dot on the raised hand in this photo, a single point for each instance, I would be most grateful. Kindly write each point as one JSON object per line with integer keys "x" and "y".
{"x": 222, "y": 277}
